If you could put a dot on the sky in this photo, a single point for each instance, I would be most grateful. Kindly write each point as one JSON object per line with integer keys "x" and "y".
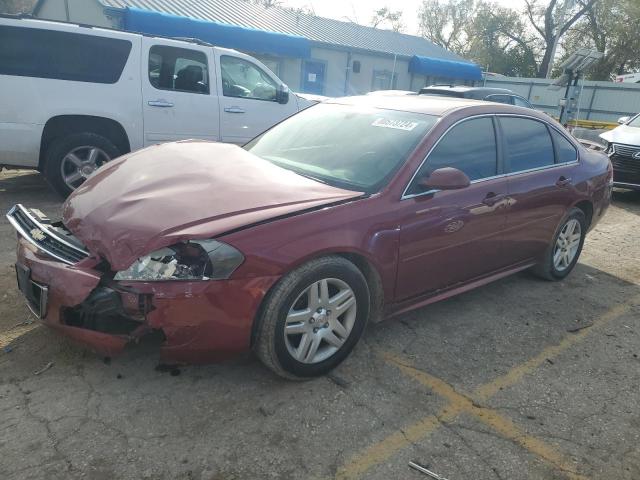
{"x": 361, "y": 11}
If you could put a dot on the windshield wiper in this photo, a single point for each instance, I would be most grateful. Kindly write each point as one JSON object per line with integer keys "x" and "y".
{"x": 306, "y": 175}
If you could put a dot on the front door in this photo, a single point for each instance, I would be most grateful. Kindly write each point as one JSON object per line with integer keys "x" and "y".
{"x": 313, "y": 77}
{"x": 540, "y": 161}
{"x": 179, "y": 98}
{"x": 451, "y": 237}
{"x": 249, "y": 101}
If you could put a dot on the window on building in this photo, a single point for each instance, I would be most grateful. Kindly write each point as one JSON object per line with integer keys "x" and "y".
{"x": 382, "y": 80}
{"x": 178, "y": 69}
{"x": 469, "y": 146}
{"x": 241, "y": 78}
{"x": 32, "y": 52}
{"x": 528, "y": 143}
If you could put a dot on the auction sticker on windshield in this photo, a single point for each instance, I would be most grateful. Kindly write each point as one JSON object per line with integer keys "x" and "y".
{"x": 397, "y": 124}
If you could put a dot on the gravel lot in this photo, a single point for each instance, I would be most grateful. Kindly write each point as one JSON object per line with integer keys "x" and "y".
{"x": 521, "y": 379}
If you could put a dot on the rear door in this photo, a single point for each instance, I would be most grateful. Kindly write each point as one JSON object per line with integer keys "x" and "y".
{"x": 540, "y": 161}
{"x": 451, "y": 237}
{"x": 179, "y": 97}
{"x": 248, "y": 100}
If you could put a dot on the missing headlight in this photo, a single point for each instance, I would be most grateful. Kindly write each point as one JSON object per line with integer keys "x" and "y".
{"x": 193, "y": 260}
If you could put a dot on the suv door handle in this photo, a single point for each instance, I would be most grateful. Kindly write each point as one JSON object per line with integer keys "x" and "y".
{"x": 492, "y": 198}
{"x": 160, "y": 103}
{"x": 563, "y": 181}
{"x": 234, "y": 110}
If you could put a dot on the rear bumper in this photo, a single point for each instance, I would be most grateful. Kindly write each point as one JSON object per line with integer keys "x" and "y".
{"x": 201, "y": 321}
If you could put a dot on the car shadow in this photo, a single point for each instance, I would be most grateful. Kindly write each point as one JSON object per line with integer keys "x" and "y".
{"x": 628, "y": 200}
{"x": 30, "y": 188}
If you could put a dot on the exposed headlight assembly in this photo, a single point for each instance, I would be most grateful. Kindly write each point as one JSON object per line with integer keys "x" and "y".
{"x": 193, "y": 260}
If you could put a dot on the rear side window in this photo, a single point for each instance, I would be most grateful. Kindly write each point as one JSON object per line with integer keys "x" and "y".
{"x": 528, "y": 144}
{"x": 521, "y": 102}
{"x": 32, "y": 52}
{"x": 469, "y": 146}
{"x": 179, "y": 69}
{"x": 565, "y": 151}
{"x": 499, "y": 99}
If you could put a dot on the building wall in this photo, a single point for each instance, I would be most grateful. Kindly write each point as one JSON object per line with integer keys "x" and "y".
{"x": 80, "y": 11}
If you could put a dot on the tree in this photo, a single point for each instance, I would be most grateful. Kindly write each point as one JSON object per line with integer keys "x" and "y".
{"x": 611, "y": 27}
{"x": 16, "y": 6}
{"x": 384, "y": 15}
{"x": 490, "y": 35}
{"x": 551, "y": 22}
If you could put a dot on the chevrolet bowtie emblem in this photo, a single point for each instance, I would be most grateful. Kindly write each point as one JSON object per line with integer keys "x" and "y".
{"x": 37, "y": 234}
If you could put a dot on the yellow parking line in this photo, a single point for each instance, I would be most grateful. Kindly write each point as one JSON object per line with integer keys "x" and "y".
{"x": 382, "y": 450}
{"x": 504, "y": 426}
{"x": 9, "y": 336}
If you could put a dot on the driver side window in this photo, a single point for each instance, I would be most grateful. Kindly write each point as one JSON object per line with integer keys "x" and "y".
{"x": 470, "y": 146}
{"x": 245, "y": 80}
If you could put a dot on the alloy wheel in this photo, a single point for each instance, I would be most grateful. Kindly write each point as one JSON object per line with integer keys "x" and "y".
{"x": 567, "y": 245}
{"x": 320, "y": 320}
{"x": 79, "y": 163}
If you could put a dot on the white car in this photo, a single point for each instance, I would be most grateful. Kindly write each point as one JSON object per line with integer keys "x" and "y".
{"x": 623, "y": 147}
{"x": 74, "y": 97}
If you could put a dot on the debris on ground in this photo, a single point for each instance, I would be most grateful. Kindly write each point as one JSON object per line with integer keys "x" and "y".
{"x": 577, "y": 328}
{"x": 426, "y": 471}
{"x": 7, "y": 349}
{"x": 339, "y": 381}
{"x": 22, "y": 324}
{"x": 173, "y": 370}
{"x": 43, "y": 369}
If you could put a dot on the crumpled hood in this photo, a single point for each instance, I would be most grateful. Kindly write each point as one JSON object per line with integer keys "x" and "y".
{"x": 179, "y": 191}
{"x": 623, "y": 134}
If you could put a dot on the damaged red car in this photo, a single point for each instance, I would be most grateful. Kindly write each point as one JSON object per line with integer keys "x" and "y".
{"x": 351, "y": 211}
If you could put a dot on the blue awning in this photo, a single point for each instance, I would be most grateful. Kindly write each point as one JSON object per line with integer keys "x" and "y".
{"x": 219, "y": 34}
{"x": 437, "y": 67}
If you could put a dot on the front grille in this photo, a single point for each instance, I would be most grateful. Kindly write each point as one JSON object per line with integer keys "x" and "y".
{"x": 45, "y": 236}
{"x": 625, "y": 169}
{"x": 625, "y": 150}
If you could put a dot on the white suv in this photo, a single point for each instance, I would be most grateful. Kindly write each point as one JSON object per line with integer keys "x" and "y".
{"x": 73, "y": 97}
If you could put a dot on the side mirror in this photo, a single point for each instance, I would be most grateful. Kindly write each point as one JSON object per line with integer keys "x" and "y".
{"x": 623, "y": 120}
{"x": 282, "y": 94}
{"x": 446, "y": 178}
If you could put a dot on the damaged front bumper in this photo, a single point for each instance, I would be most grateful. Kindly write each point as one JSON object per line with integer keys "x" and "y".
{"x": 201, "y": 321}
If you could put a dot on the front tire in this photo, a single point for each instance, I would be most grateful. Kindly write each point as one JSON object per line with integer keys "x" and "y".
{"x": 313, "y": 318}
{"x": 69, "y": 160}
{"x": 563, "y": 253}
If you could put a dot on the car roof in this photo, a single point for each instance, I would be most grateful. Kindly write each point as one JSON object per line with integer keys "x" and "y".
{"x": 426, "y": 104}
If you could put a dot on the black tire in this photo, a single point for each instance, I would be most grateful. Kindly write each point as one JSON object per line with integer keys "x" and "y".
{"x": 60, "y": 147}
{"x": 546, "y": 269}
{"x": 270, "y": 344}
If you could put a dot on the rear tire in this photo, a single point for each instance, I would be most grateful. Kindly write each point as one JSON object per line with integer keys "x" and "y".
{"x": 563, "y": 252}
{"x": 300, "y": 335}
{"x": 79, "y": 153}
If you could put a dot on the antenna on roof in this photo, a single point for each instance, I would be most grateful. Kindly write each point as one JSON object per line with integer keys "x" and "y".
{"x": 573, "y": 69}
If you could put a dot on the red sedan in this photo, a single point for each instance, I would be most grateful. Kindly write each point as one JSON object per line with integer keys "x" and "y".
{"x": 353, "y": 210}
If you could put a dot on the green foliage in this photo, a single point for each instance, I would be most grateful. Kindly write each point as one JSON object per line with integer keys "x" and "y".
{"x": 17, "y": 6}
{"x": 385, "y": 16}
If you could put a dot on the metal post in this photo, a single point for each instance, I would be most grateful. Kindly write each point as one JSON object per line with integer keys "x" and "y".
{"x": 66, "y": 9}
{"x": 347, "y": 74}
{"x": 393, "y": 72}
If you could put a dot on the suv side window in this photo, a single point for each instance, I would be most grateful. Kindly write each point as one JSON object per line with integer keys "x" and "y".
{"x": 565, "y": 151}
{"x": 245, "y": 80}
{"x": 40, "y": 53}
{"x": 470, "y": 146}
{"x": 499, "y": 98}
{"x": 528, "y": 143}
{"x": 521, "y": 102}
{"x": 178, "y": 69}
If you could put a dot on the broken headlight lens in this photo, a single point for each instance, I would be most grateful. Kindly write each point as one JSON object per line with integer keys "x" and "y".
{"x": 193, "y": 260}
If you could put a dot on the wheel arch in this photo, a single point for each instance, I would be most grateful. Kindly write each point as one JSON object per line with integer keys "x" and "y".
{"x": 62, "y": 125}
{"x": 362, "y": 262}
{"x": 587, "y": 208}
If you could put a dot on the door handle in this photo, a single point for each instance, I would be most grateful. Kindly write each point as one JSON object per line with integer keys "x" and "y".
{"x": 160, "y": 103}
{"x": 492, "y": 198}
{"x": 234, "y": 110}
{"x": 563, "y": 181}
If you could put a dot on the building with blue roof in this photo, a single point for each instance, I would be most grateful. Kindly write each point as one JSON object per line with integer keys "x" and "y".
{"x": 310, "y": 53}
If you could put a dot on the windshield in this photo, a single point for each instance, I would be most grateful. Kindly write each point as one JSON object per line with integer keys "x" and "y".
{"x": 352, "y": 147}
{"x": 635, "y": 122}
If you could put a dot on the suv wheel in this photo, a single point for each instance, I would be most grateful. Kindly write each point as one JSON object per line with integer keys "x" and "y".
{"x": 313, "y": 318}
{"x": 70, "y": 160}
